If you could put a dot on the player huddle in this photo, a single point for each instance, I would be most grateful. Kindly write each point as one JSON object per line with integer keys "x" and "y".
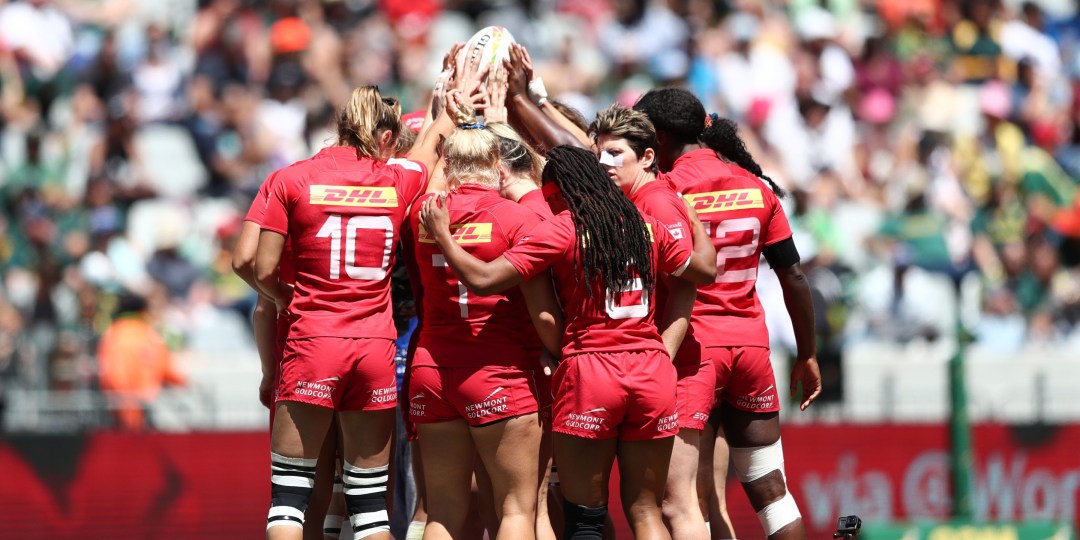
{"x": 585, "y": 293}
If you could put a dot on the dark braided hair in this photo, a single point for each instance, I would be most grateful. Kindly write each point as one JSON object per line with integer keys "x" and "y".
{"x": 679, "y": 114}
{"x": 613, "y": 243}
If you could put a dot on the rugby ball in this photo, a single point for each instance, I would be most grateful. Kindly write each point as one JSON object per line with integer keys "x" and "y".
{"x": 490, "y": 45}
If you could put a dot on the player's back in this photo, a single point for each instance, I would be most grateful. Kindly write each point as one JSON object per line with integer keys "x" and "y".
{"x": 343, "y": 217}
{"x": 458, "y": 325}
{"x": 598, "y": 320}
{"x": 742, "y": 215}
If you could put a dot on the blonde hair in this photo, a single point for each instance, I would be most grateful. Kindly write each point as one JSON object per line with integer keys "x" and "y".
{"x": 623, "y": 123}
{"x": 365, "y": 117}
{"x": 472, "y": 157}
{"x": 516, "y": 154}
{"x": 405, "y": 141}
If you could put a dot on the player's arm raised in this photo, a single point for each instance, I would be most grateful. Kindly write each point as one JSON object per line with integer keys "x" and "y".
{"x": 525, "y": 116}
{"x": 482, "y": 278}
{"x": 450, "y": 104}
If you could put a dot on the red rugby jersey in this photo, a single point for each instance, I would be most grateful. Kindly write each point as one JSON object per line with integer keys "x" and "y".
{"x": 462, "y": 329}
{"x": 742, "y": 215}
{"x": 343, "y": 216}
{"x": 623, "y": 321}
{"x": 257, "y": 212}
{"x": 659, "y": 200}
{"x": 534, "y": 200}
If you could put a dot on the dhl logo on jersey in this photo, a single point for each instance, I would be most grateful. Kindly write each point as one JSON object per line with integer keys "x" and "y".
{"x": 378, "y": 197}
{"x": 719, "y": 201}
{"x": 466, "y": 233}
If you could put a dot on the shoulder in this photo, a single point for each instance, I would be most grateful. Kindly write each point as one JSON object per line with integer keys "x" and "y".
{"x": 406, "y": 165}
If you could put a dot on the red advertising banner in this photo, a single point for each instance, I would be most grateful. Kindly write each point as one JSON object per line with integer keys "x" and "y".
{"x": 113, "y": 485}
{"x": 215, "y": 485}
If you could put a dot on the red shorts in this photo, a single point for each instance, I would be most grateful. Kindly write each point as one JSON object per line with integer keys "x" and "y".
{"x": 410, "y": 426}
{"x": 629, "y": 395}
{"x": 745, "y": 378}
{"x": 697, "y": 384}
{"x": 479, "y": 395}
{"x": 345, "y": 374}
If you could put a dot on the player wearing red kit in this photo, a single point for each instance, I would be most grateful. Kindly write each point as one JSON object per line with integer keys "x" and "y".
{"x": 270, "y": 334}
{"x": 726, "y": 352}
{"x": 472, "y": 381}
{"x": 521, "y": 166}
{"x": 614, "y": 387}
{"x": 627, "y": 144}
{"x": 341, "y": 212}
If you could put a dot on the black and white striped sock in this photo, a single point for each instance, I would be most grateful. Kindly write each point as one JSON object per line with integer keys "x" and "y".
{"x": 291, "y": 482}
{"x": 365, "y": 496}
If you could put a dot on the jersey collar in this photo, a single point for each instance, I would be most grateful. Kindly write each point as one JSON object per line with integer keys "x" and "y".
{"x": 697, "y": 156}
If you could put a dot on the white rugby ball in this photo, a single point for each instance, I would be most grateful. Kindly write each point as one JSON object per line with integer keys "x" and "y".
{"x": 490, "y": 45}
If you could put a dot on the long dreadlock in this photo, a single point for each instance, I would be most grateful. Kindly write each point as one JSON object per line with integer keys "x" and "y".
{"x": 613, "y": 244}
{"x": 679, "y": 114}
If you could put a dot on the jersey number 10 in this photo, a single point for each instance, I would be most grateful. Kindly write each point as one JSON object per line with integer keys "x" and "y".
{"x": 332, "y": 229}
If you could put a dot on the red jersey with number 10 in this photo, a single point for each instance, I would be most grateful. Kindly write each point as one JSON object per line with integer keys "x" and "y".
{"x": 608, "y": 320}
{"x": 742, "y": 215}
{"x": 462, "y": 329}
{"x": 342, "y": 216}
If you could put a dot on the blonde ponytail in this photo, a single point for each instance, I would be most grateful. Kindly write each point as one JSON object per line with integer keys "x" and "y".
{"x": 364, "y": 118}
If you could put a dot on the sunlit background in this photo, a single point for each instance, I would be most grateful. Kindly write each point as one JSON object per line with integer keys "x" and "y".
{"x": 932, "y": 149}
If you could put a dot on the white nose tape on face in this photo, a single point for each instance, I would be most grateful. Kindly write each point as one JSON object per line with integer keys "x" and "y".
{"x": 612, "y": 161}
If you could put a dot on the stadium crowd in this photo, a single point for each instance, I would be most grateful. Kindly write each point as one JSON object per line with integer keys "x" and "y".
{"x": 925, "y": 143}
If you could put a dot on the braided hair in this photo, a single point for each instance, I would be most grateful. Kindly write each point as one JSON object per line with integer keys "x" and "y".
{"x": 679, "y": 114}
{"x": 613, "y": 243}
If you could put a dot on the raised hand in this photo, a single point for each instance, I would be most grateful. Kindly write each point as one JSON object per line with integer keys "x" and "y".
{"x": 496, "y": 109}
{"x": 517, "y": 78}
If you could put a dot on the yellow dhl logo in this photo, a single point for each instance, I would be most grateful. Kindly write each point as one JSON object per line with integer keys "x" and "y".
{"x": 381, "y": 197}
{"x": 466, "y": 233}
{"x": 719, "y": 201}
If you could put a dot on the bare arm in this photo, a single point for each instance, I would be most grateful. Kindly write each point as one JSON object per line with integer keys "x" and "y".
{"x": 480, "y": 277}
{"x": 547, "y": 317}
{"x": 267, "y": 257}
{"x": 457, "y": 102}
{"x": 800, "y": 307}
{"x": 555, "y": 114}
{"x": 675, "y": 320}
{"x": 264, "y": 321}
{"x": 525, "y": 116}
{"x": 243, "y": 260}
{"x": 702, "y": 267}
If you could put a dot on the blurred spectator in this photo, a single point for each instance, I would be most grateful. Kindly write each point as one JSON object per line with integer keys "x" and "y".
{"x": 923, "y": 141}
{"x": 134, "y": 363}
{"x": 40, "y": 36}
{"x": 646, "y": 36}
